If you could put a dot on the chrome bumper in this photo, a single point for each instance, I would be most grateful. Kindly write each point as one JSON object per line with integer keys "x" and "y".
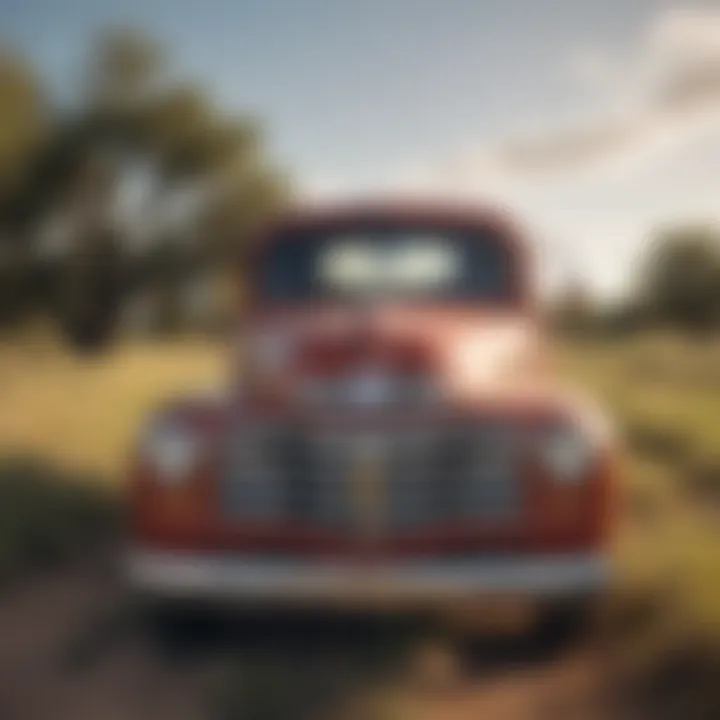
{"x": 231, "y": 577}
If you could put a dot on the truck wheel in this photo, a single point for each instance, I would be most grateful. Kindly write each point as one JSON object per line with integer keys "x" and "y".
{"x": 561, "y": 624}
{"x": 175, "y": 627}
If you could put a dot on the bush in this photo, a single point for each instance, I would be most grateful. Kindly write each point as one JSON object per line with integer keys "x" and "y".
{"x": 681, "y": 279}
{"x": 47, "y": 516}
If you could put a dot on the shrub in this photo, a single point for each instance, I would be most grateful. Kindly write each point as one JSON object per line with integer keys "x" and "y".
{"x": 47, "y": 515}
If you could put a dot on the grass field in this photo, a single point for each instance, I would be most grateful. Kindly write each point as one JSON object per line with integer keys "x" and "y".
{"x": 664, "y": 396}
{"x": 82, "y": 415}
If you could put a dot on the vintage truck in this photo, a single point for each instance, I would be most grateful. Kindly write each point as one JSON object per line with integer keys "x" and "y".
{"x": 394, "y": 432}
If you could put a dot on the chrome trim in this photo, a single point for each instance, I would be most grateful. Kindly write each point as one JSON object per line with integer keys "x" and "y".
{"x": 232, "y": 576}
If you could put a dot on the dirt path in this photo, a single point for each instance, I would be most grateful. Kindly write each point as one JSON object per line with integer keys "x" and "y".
{"x": 70, "y": 650}
{"x": 56, "y": 661}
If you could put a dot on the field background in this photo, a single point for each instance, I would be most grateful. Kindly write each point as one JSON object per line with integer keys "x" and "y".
{"x": 80, "y": 416}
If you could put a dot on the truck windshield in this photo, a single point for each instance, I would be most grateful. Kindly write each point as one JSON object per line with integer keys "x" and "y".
{"x": 388, "y": 263}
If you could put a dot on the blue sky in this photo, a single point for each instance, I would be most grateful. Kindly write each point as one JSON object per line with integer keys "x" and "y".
{"x": 368, "y": 94}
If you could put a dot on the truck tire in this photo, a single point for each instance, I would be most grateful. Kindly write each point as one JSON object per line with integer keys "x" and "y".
{"x": 564, "y": 623}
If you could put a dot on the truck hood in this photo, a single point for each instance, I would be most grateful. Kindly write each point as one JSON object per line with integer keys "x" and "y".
{"x": 467, "y": 353}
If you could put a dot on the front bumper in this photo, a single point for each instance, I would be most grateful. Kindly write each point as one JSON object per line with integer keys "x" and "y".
{"x": 223, "y": 576}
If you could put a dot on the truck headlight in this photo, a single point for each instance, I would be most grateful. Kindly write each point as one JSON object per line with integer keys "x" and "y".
{"x": 567, "y": 454}
{"x": 172, "y": 450}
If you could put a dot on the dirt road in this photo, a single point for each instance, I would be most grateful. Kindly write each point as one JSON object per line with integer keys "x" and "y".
{"x": 72, "y": 648}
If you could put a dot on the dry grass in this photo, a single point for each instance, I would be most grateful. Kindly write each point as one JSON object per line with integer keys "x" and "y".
{"x": 664, "y": 394}
{"x": 82, "y": 414}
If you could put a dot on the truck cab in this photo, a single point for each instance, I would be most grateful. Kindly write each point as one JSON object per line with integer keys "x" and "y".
{"x": 392, "y": 431}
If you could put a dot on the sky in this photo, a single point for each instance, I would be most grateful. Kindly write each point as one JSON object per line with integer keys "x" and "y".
{"x": 595, "y": 121}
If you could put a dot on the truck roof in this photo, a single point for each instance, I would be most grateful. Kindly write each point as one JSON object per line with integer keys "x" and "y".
{"x": 415, "y": 210}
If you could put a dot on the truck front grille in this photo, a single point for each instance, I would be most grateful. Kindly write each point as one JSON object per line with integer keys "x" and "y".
{"x": 423, "y": 479}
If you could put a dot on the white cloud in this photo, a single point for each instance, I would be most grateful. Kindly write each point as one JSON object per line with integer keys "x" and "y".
{"x": 648, "y": 100}
{"x": 663, "y": 92}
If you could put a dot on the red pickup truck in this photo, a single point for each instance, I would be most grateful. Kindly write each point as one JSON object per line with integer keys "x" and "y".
{"x": 394, "y": 434}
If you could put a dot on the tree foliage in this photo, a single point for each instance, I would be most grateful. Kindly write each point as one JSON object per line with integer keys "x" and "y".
{"x": 66, "y": 172}
{"x": 680, "y": 279}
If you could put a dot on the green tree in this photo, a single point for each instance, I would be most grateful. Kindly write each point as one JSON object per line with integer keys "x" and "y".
{"x": 24, "y": 126}
{"x": 23, "y": 123}
{"x": 680, "y": 277}
{"x": 64, "y": 172}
